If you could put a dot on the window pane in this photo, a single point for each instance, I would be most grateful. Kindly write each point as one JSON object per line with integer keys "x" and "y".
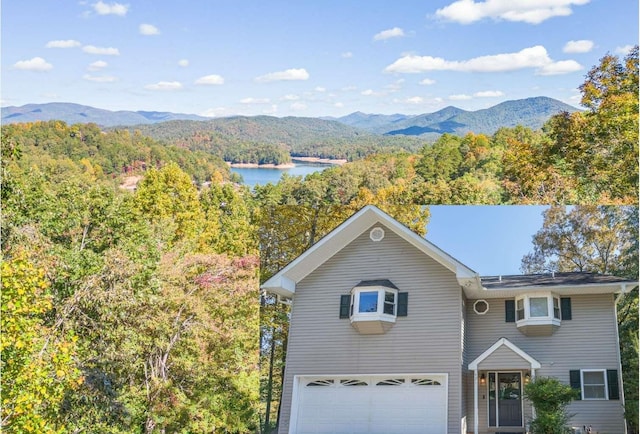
{"x": 519, "y": 309}
{"x": 389, "y": 297}
{"x": 389, "y": 303}
{"x": 368, "y": 301}
{"x": 593, "y": 377}
{"x": 593, "y": 384}
{"x": 538, "y": 306}
{"x": 556, "y": 308}
{"x": 594, "y": 392}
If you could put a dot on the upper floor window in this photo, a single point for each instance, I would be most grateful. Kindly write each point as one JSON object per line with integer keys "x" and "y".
{"x": 376, "y": 301}
{"x": 538, "y": 314}
{"x": 373, "y": 305}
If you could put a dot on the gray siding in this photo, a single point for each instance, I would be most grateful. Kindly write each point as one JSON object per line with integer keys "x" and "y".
{"x": 426, "y": 341}
{"x": 588, "y": 341}
{"x": 504, "y": 359}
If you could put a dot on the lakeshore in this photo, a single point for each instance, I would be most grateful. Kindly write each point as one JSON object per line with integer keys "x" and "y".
{"x": 303, "y": 160}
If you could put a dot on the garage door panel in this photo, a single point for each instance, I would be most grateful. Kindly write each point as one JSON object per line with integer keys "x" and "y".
{"x": 330, "y": 405}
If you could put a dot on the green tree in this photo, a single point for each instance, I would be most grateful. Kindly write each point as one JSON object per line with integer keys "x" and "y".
{"x": 550, "y": 398}
{"x": 599, "y": 147}
{"x": 37, "y": 362}
{"x": 168, "y": 199}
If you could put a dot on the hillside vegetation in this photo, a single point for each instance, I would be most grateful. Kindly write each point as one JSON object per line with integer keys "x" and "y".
{"x": 139, "y": 311}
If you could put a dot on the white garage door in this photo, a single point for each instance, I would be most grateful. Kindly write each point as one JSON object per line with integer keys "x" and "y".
{"x": 384, "y": 404}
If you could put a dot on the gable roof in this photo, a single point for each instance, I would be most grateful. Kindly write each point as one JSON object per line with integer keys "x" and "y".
{"x": 284, "y": 282}
{"x": 507, "y": 343}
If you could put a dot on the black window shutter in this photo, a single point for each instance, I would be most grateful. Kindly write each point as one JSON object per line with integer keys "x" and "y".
{"x": 345, "y": 304}
{"x": 510, "y": 311}
{"x": 565, "y": 308}
{"x": 574, "y": 380}
{"x": 403, "y": 304}
{"x": 612, "y": 382}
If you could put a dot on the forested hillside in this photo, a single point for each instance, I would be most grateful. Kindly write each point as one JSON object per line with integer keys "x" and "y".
{"x": 139, "y": 311}
{"x": 234, "y": 138}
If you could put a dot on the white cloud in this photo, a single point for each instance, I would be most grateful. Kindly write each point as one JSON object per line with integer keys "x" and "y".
{"x": 347, "y": 55}
{"x": 97, "y": 65}
{"x": 298, "y": 106}
{"x": 37, "y": 64}
{"x": 367, "y": 92}
{"x": 532, "y": 12}
{"x": 217, "y": 112}
{"x": 289, "y": 74}
{"x": 415, "y": 100}
{"x": 624, "y": 50}
{"x": 251, "y": 100}
{"x": 103, "y": 8}
{"x": 489, "y": 94}
{"x": 320, "y": 89}
{"x": 396, "y": 86}
{"x": 68, "y": 43}
{"x": 581, "y": 46}
{"x": 338, "y": 105}
{"x": 396, "y": 32}
{"x": 101, "y": 50}
{"x": 561, "y": 67}
{"x": 148, "y": 29}
{"x": 183, "y": 62}
{"x": 271, "y": 110}
{"x": 100, "y": 78}
{"x": 210, "y": 79}
{"x": 290, "y": 97}
{"x": 532, "y": 57}
{"x": 165, "y": 85}
{"x": 427, "y": 82}
{"x": 460, "y": 97}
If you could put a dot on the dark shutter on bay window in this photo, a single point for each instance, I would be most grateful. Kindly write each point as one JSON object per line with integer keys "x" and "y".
{"x": 565, "y": 308}
{"x": 345, "y": 305}
{"x": 403, "y": 304}
{"x": 575, "y": 382}
{"x": 509, "y": 311}
{"x": 612, "y": 382}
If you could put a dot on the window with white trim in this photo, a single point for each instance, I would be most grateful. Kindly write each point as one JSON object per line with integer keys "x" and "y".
{"x": 375, "y": 301}
{"x": 538, "y": 309}
{"x": 594, "y": 384}
{"x": 373, "y": 306}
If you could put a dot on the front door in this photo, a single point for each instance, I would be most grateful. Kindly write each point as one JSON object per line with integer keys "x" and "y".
{"x": 505, "y": 399}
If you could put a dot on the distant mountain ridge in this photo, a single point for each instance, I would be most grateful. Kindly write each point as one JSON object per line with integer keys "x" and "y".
{"x": 76, "y": 113}
{"x": 529, "y": 112}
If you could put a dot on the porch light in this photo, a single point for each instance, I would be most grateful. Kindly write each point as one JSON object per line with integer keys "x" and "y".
{"x": 527, "y": 378}
{"x": 482, "y": 379}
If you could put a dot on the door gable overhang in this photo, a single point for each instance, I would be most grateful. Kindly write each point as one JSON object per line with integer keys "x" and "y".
{"x": 503, "y": 342}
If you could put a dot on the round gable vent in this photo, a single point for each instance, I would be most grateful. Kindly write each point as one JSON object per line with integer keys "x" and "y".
{"x": 481, "y": 307}
{"x": 376, "y": 234}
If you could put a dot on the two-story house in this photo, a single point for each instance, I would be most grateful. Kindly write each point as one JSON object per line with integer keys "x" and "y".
{"x": 390, "y": 334}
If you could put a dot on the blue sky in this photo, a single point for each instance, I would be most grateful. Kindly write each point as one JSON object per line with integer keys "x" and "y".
{"x": 305, "y": 58}
{"x": 490, "y": 240}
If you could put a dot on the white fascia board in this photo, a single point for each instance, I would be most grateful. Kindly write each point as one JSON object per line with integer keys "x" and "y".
{"x": 591, "y": 288}
{"x": 507, "y": 343}
{"x": 280, "y": 285}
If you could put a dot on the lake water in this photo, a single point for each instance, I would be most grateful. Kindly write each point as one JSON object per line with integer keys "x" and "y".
{"x": 260, "y": 176}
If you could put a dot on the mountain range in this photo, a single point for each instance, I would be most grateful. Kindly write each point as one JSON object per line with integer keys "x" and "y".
{"x": 81, "y": 114}
{"x": 529, "y": 112}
